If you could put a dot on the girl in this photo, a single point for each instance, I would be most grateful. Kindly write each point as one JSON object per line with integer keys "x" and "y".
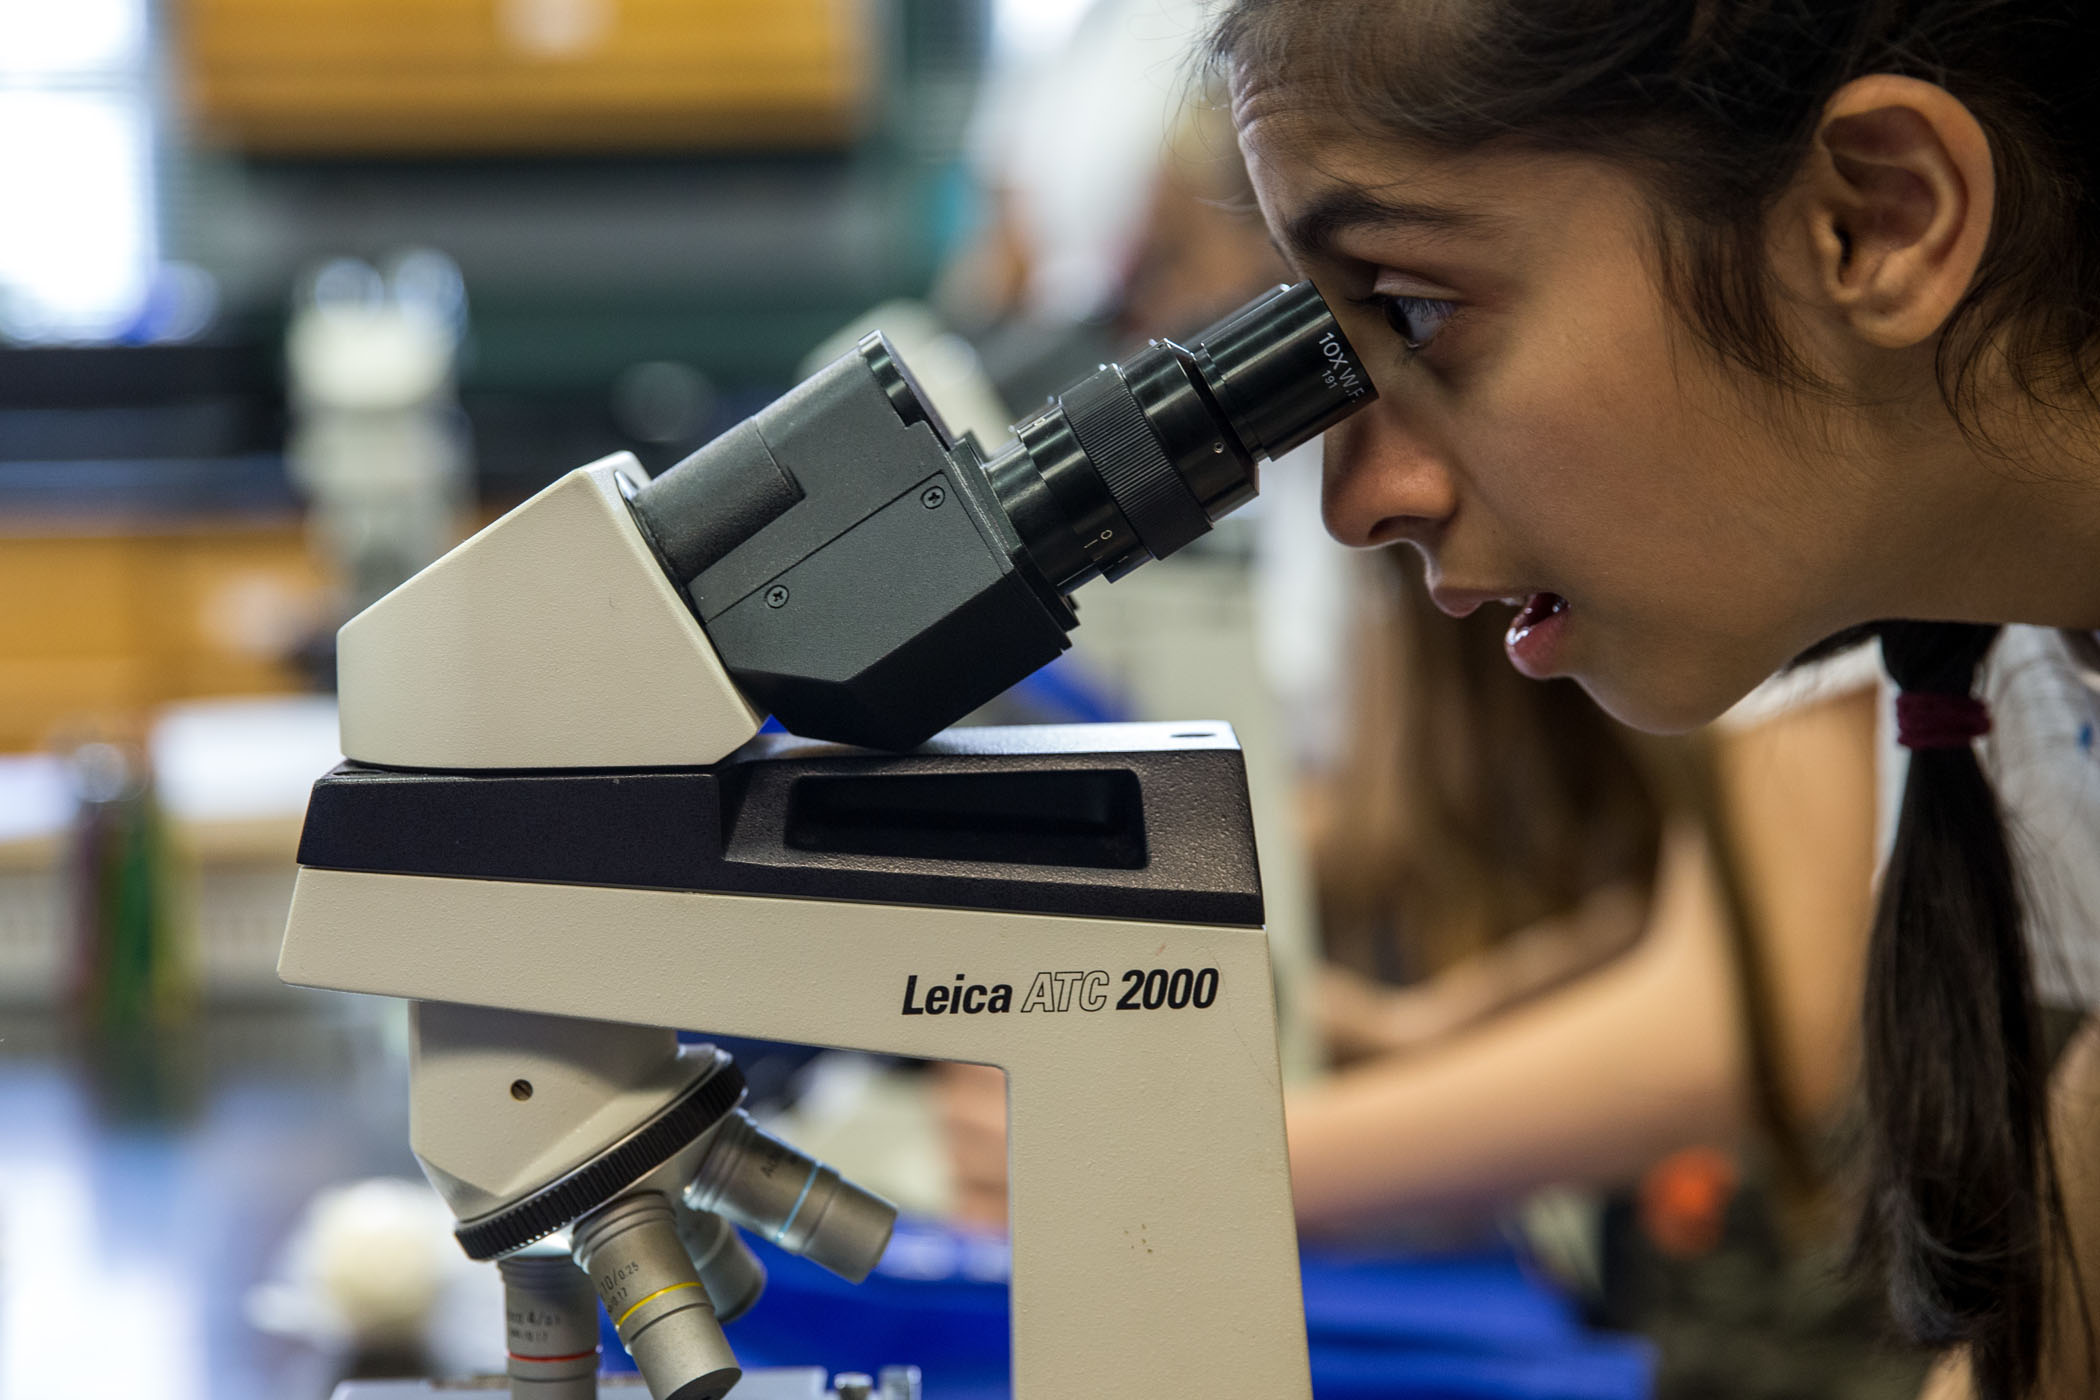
{"x": 1705, "y": 331}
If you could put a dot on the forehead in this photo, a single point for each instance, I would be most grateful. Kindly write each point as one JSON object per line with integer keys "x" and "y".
{"x": 1320, "y": 177}
{"x": 1288, "y": 129}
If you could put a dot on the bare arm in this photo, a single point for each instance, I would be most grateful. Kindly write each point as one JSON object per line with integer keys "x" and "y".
{"x": 2074, "y": 1120}
{"x": 1596, "y": 1080}
{"x": 1360, "y": 1017}
{"x": 1949, "y": 1380}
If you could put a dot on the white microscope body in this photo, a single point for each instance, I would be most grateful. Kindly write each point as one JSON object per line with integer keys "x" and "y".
{"x": 558, "y": 834}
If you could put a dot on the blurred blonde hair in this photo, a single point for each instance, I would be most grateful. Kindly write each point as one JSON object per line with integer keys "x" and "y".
{"x": 1472, "y": 802}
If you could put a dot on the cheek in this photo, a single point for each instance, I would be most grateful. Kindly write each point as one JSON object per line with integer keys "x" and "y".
{"x": 1618, "y": 469}
{"x": 1661, "y": 452}
{"x": 1576, "y": 441}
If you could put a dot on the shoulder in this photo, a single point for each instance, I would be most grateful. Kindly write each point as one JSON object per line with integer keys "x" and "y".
{"x": 2043, "y": 687}
{"x": 2044, "y": 691}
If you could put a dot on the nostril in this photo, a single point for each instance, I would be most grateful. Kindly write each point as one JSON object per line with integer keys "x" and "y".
{"x": 1401, "y": 529}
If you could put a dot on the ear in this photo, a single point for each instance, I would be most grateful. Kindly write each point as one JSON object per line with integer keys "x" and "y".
{"x": 1892, "y": 211}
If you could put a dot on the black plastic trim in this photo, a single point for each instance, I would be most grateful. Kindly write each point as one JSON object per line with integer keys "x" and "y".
{"x": 1180, "y": 849}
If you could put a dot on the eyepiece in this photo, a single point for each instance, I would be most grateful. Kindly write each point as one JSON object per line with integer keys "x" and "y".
{"x": 1138, "y": 459}
{"x": 1282, "y": 370}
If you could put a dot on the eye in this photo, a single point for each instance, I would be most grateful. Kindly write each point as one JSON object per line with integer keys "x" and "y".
{"x": 1416, "y": 320}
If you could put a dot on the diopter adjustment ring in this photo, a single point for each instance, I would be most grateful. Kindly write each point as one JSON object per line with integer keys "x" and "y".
{"x": 706, "y": 1102}
{"x": 1110, "y": 425}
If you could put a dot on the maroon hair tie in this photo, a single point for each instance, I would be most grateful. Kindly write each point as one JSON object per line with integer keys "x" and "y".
{"x": 1928, "y": 719}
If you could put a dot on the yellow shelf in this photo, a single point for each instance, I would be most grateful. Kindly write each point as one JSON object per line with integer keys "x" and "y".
{"x": 468, "y": 76}
{"x": 119, "y": 624}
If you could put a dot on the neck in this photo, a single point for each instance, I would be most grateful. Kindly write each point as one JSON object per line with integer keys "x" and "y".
{"x": 2004, "y": 531}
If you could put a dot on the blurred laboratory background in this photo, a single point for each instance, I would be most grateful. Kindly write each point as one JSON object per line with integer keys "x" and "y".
{"x": 296, "y": 294}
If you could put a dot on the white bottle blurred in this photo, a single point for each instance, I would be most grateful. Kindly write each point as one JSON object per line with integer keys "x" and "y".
{"x": 378, "y": 443}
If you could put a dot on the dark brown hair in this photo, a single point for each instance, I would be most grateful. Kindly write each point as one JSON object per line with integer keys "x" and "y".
{"x": 1715, "y": 104}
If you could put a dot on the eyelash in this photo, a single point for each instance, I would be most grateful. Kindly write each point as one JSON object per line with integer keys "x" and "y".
{"x": 1402, "y": 312}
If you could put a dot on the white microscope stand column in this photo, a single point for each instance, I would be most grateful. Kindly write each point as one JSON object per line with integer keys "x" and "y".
{"x": 1154, "y": 1248}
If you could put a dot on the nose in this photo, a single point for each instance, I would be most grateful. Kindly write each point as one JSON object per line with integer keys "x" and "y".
{"x": 1382, "y": 483}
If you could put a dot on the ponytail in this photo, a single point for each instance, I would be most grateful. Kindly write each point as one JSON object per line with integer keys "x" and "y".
{"x": 1961, "y": 1208}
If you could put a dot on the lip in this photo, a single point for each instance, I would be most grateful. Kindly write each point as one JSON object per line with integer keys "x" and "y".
{"x": 1537, "y": 635}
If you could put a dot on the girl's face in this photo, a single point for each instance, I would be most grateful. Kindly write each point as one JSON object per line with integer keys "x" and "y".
{"x": 1550, "y": 434}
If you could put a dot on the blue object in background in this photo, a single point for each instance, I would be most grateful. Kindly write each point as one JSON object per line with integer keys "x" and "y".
{"x": 1473, "y": 1326}
{"x": 1066, "y": 692}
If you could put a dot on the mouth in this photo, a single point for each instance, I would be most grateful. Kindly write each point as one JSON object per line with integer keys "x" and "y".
{"x": 1535, "y": 634}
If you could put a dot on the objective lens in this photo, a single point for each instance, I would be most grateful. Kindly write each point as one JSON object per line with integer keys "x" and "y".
{"x": 645, "y": 1278}
{"x": 729, "y": 1271}
{"x": 1136, "y": 460}
{"x": 791, "y": 1199}
{"x": 552, "y": 1325}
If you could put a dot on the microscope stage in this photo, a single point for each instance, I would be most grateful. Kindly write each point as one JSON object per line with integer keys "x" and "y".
{"x": 764, "y": 1383}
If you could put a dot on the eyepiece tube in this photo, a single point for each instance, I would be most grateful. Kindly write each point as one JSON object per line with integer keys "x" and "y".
{"x": 1282, "y": 370}
{"x": 791, "y": 1199}
{"x": 1136, "y": 460}
{"x": 868, "y": 577}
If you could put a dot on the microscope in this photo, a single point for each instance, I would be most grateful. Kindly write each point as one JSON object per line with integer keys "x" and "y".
{"x": 560, "y": 834}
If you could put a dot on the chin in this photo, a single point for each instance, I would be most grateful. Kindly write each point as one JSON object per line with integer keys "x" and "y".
{"x": 1670, "y": 700}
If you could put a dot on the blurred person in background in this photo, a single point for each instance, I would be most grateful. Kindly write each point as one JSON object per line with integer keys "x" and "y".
{"x": 1066, "y": 141}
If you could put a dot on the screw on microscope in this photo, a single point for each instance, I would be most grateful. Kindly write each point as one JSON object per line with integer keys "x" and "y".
{"x": 932, "y": 497}
{"x": 776, "y": 595}
{"x": 853, "y": 1385}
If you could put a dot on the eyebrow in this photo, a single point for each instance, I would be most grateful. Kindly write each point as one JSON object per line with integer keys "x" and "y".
{"x": 1315, "y": 230}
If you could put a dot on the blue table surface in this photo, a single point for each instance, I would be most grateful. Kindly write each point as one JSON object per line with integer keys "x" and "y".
{"x": 1472, "y": 1326}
